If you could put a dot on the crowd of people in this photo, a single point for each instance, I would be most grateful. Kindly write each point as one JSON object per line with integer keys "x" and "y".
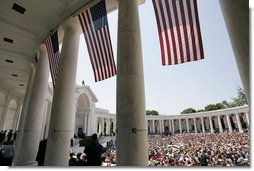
{"x": 188, "y": 149}
{"x": 221, "y": 149}
{"x": 7, "y": 147}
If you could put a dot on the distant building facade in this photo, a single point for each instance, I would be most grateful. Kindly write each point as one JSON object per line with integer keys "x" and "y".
{"x": 90, "y": 119}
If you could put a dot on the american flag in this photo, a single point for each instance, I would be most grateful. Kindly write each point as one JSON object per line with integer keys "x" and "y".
{"x": 179, "y": 31}
{"x": 52, "y": 46}
{"x": 94, "y": 24}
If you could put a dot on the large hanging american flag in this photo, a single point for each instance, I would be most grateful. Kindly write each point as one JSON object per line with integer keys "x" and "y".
{"x": 179, "y": 31}
{"x": 52, "y": 46}
{"x": 94, "y": 24}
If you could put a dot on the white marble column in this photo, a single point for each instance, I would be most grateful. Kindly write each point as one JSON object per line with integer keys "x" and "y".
{"x": 85, "y": 124}
{"x": 247, "y": 118}
{"x": 211, "y": 125}
{"x": 108, "y": 126}
{"x": 99, "y": 122}
{"x": 236, "y": 16}
{"x": 153, "y": 130}
{"x": 195, "y": 125}
{"x": 180, "y": 125}
{"x": 229, "y": 124}
{"x": 89, "y": 130}
{"x": 159, "y": 125}
{"x": 62, "y": 113}
{"x": 23, "y": 114}
{"x": 173, "y": 125}
{"x": 170, "y": 125}
{"x": 202, "y": 123}
{"x": 102, "y": 126}
{"x": 187, "y": 125}
{"x": 34, "y": 117}
{"x": 219, "y": 122}
{"x": 130, "y": 110}
{"x": 239, "y": 122}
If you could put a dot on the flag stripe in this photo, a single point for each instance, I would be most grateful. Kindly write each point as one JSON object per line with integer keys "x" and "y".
{"x": 185, "y": 30}
{"x": 87, "y": 36}
{"x": 179, "y": 31}
{"x": 200, "y": 44}
{"x": 170, "y": 29}
{"x": 53, "y": 57}
{"x": 98, "y": 41}
{"x": 161, "y": 37}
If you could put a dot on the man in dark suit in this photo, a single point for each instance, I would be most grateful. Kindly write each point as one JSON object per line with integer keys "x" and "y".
{"x": 41, "y": 152}
{"x": 94, "y": 152}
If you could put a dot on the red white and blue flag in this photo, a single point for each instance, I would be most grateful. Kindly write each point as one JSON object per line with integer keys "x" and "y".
{"x": 94, "y": 24}
{"x": 52, "y": 46}
{"x": 179, "y": 31}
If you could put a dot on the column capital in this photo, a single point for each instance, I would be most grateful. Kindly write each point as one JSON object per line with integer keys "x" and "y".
{"x": 71, "y": 23}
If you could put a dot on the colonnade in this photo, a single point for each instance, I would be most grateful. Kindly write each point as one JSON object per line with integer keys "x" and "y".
{"x": 130, "y": 105}
{"x": 217, "y": 121}
{"x": 106, "y": 126}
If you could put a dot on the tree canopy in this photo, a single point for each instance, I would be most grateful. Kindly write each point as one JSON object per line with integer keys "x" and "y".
{"x": 240, "y": 100}
{"x": 152, "y": 112}
{"x": 188, "y": 110}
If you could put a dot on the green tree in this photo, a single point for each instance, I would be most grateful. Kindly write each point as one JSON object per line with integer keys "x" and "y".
{"x": 188, "y": 110}
{"x": 217, "y": 106}
{"x": 201, "y": 110}
{"x": 152, "y": 112}
{"x": 241, "y": 99}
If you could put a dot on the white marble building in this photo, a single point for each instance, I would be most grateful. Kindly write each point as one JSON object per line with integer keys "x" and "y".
{"x": 91, "y": 119}
{"x": 88, "y": 118}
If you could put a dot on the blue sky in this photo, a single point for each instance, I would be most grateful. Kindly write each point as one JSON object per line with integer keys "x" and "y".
{"x": 171, "y": 89}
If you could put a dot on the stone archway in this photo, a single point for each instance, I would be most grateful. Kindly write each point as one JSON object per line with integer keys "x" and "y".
{"x": 2, "y": 103}
{"x": 81, "y": 117}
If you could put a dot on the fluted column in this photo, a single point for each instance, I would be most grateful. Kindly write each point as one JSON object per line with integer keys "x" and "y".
{"x": 131, "y": 122}
{"x": 236, "y": 16}
{"x": 219, "y": 122}
{"x": 34, "y": 116}
{"x": 62, "y": 113}
{"x": 26, "y": 102}
{"x": 211, "y": 124}
{"x": 239, "y": 122}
